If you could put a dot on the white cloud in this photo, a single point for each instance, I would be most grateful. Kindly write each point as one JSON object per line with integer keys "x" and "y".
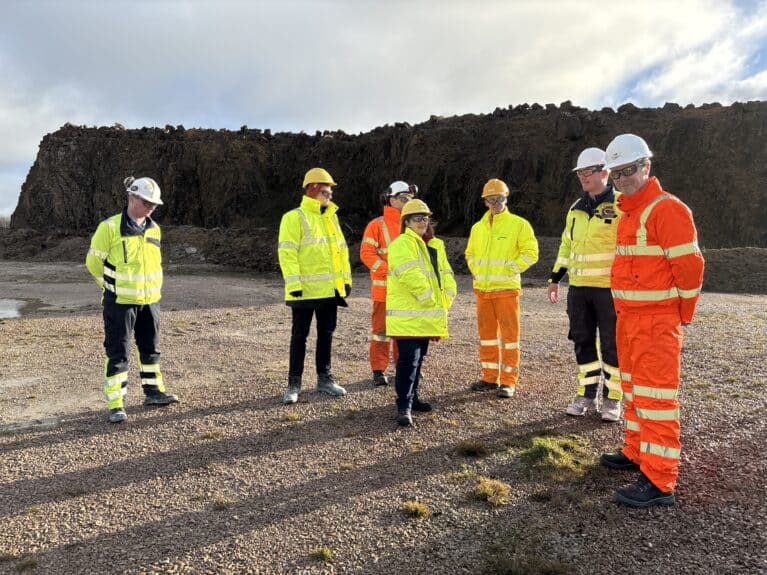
{"x": 308, "y": 65}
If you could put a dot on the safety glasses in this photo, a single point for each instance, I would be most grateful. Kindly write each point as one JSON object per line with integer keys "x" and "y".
{"x": 403, "y": 196}
{"x": 586, "y": 172}
{"x": 420, "y": 219}
{"x": 626, "y": 172}
{"x": 146, "y": 203}
{"x": 494, "y": 201}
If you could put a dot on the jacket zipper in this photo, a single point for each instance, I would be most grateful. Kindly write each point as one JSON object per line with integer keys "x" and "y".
{"x": 125, "y": 252}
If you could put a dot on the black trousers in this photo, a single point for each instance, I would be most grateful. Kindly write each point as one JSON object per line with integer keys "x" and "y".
{"x": 409, "y": 362}
{"x": 326, "y": 325}
{"x": 591, "y": 309}
{"x": 123, "y": 322}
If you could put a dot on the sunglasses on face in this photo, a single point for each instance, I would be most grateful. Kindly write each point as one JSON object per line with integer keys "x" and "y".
{"x": 626, "y": 172}
{"x": 404, "y": 196}
{"x": 327, "y": 192}
{"x": 586, "y": 172}
{"x": 419, "y": 219}
{"x": 147, "y": 204}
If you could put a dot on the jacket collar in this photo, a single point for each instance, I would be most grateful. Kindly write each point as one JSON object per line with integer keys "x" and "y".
{"x": 311, "y": 205}
{"x": 391, "y": 215}
{"x": 643, "y": 197}
{"x": 130, "y": 228}
{"x": 489, "y": 218}
{"x": 589, "y": 204}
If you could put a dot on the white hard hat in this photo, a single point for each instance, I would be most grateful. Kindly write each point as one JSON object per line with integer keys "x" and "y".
{"x": 590, "y": 157}
{"x": 625, "y": 149}
{"x": 399, "y": 187}
{"x": 145, "y": 188}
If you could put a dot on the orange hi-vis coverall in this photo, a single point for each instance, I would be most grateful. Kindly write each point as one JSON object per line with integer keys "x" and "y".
{"x": 374, "y": 253}
{"x": 656, "y": 281}
{"x": 500, "y": 248}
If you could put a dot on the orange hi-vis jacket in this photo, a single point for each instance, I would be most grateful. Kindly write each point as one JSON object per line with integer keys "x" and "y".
{"x": 658, "y": 267}
{"x": 374, "y": 249}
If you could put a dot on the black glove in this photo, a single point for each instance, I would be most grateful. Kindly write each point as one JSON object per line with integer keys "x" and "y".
{"x": 348, "y": 289}
{"x": 297, "y": 293}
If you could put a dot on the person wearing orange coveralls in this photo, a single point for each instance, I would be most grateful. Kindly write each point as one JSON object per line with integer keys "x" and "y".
{"x": 501, "y": 247}
{"x": 374, "y": 253}
{"x": 656, "y": 280}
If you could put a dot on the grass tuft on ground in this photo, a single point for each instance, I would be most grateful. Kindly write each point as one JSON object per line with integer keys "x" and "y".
{"x": 323, "y": 554}
{"x": 560, "y": 457}
{"x": 417, "y": 509}
{"x": 491, "y": 490}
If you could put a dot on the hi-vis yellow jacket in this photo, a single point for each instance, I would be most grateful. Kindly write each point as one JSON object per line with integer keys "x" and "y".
{"x": 587, "y": 249}
{"x": 497, "y": 254}
{"x": 313, "y": 254}
{"x": 419, "y": 293}
{"x": 125, "y": 261}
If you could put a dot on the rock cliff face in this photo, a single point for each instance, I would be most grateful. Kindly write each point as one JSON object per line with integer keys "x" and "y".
{"x": 713, "y": 157}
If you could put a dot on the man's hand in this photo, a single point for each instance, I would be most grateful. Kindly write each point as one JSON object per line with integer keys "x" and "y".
{"x": 553, "y": 292}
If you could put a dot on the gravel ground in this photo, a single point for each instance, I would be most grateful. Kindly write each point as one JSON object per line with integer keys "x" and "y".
{"x": 232, "y": 481}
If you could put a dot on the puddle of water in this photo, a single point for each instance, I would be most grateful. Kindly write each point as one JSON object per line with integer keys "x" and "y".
{"x": 11, "y": 308}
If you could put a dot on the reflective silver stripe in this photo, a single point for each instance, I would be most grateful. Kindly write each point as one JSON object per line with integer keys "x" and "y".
{"x": 369, "y": 240}
{"x": 688, "y": 293}
{"x": 489, "y": 365}
{"x": 425, "y": 295}
{"x": 152, "y": 368}
{"x": 492, "y": 262}
{"x": 119, "y": 290}
{"x": 493, "y": 342}
{"x": 614, "y": 371}
{"x": 587, "y": 367}
{"x": 404, "y": 267}
{"x": 317, "y": 278}
{"x": 562, "y": 262}
{"x": 381, "y": 251}
{"x": 658, "y": 414}
{"x": 117, "y": 379}
{"x": 632, "y": 425}
{"x": 646, "y": 295}
{"x": 509, "y": 368}
{"x": 347, "y": 275}
{"x": 379, "y": 283}
{"x": 447, "y": 272}
{"x": 655, "y": 449}
{"x": 589, "y": 271}
{"x": 98, "y": 253}
{"x": 414, "y": 313}
{"x": 588, "y": 380}
{"x": 628, "y": 396}
{"x": 682, "y": 250}
{"x": 304, "y": 223}
{"x": 341, "y": 244}
{"x": 375, "y": 337}
{"x": 527, "y": 259}
{"x": 312, "y": 241}
{"x": 287, "y": 246}
{"x": 385, "y": 230}
{"x": 516, "y": 277}
{"x": 655, "y": 393}
{"x": 511, "y": 345}
{"x": 114, "y": 394}
{"x": 291, "y": 279}
{"x": 639, "y": 251}
{"x": 625, "y": 376}
{"x": 642, "y": 231}
{"x": 378, "y": 263}
{"x": 591, "y": 257}
{"x": 131, "y": 277}
{"x": 450, "y": 293}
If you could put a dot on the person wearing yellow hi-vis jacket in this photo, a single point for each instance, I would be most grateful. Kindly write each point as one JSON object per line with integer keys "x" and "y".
{"x": 314, "y": 260}
{"x": 124, "y": 258}
{"x": 420, "y": 290}
{"x": 501, "y": 247}
{"x": 586, "y": 254}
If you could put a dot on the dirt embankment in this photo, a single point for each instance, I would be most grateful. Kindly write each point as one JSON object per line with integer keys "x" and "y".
{"x": 232, "y": 481}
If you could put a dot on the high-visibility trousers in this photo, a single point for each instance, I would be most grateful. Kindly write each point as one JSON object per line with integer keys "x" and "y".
{"x": 591, "y": 310}
{"x": 122, "y": 323}
{"x": 498, "y": 326}
{"x": 380, "y": 343}
{"x": 649, "y": 355}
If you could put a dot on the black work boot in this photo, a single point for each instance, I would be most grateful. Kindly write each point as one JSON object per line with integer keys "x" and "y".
{"x": 643, "y": 493}
{"x": 404, "y": 418}
{"x": 153, "y": 396}
{"x": 294, "y": 388}
{"x": 418, "y": 405}
{"x": 618, "y": 461}
{"x": 379, "y": 378}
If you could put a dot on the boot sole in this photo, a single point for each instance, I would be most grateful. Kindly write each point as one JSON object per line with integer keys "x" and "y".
{"x": 159, "y": 403}
{"x": 665, "y": 500}
{"x": 333, "y": 393}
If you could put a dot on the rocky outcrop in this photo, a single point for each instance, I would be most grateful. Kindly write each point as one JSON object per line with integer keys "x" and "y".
{"x": 713, "y": 157}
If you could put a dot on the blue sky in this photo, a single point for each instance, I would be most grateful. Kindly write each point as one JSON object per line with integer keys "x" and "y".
{"x": 292, "y": 65}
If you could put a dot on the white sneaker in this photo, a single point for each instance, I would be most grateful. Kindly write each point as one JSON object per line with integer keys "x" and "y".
{"x": 611, "y": 410}
{"x": 580, "y": 406}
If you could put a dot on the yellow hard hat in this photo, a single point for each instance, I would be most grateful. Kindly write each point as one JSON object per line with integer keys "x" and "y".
{"x": 318, "y": 176}
{"x": 495, "y": 187}
{"x": 414, "y": 207}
